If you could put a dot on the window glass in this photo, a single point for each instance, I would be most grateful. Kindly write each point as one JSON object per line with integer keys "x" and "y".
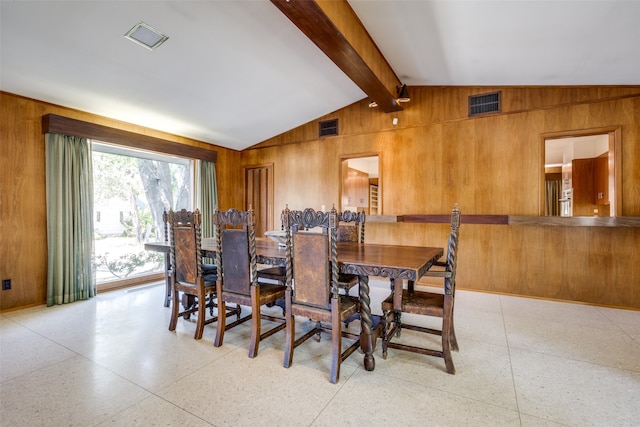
{"x": 132, "y": 190}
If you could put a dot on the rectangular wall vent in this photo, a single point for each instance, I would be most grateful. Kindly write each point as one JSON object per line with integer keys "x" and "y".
{"x": 328, "y": 128}
{"x": 484, "y": 104}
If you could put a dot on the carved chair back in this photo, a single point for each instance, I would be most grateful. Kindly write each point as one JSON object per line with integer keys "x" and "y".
{"x": 236, "y": 249}
{"x": 186, "y": 255}
{"x": 348, "y": 232}
{"x": 312, "y": 256}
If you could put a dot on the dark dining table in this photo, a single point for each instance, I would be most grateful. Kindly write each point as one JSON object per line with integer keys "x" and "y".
{"x": 396, "y": 262}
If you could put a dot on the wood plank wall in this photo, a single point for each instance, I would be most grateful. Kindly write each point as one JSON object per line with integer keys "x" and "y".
{"x": 436, "y": 156}
{"x": 23, "y": 248}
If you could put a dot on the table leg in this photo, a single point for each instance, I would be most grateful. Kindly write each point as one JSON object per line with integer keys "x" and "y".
{"x": 367, "y": 339}
{"x": 396, "y": 289}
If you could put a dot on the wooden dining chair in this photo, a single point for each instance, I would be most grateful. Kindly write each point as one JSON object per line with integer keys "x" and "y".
{"x": 428, "y": 304}
{"x": 350, "y": 229}
{"x": 207, "y": 269}
{"x": 186, "y": 275}
{"x": 312, "y": 284}
{"x": 238, "y": 277}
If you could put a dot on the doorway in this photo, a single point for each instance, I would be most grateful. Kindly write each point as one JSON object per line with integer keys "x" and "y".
{"x": 360, "y": 183}
{"x": 258, "y": 192}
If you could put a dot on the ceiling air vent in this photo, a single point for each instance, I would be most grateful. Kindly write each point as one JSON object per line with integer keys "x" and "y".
{"x": 328, "y": 128}
{"x": 484, "y": 104}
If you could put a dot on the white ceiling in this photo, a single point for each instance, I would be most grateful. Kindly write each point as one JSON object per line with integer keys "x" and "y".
{"x": 563, "y": 150}
{"x": 234, "y": 73}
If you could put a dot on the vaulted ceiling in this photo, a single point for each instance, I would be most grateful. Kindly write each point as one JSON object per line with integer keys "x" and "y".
{"x": 234, "y": 73}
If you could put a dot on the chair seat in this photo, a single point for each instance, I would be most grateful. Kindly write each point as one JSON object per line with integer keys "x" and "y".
{"x": 209, "y": 269}
{"x": 349, "y": 306}
{"x": 192, "y": 289}
{"x": 418, "y": 302}
{"x": 273, "y": 273}
{"x": 347, "y": 281}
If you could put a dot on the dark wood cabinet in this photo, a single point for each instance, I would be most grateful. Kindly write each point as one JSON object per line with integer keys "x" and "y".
{"x": 355, "y": 189}
{"x": 582, "y": 181}
{"x": 590, "y": 180}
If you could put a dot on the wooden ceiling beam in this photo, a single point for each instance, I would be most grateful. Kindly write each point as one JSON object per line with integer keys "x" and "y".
{"x": 335, "y": 28}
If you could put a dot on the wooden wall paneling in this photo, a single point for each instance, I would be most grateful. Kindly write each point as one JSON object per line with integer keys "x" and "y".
{"x": 229, "y": 179}
{"x": 623, "y": 278}
{"x": 379, "y": 232}
{"x": 22, "y": 204}
{"x": 478, "y": 265}
{"x": 400, "y": 172}
{"x": 312, "y": 175}
{"x": 556, "y": 245}
{"x": 494, "y": 168}
{"x": 576, "y": 263}
{"x": 504, "y": 275}
{"x": 628, "y": 118}
{"x": 399, "y": 191}
{"x": 459, "y": 167}
{"x": 600, "y": 256}
{"x": 492, "y": 272}
{"x": 430, "y": 149}
{"x": 527, "y": 167}
{"x": 423, "y": 151}
{"x": 526, "y": 259}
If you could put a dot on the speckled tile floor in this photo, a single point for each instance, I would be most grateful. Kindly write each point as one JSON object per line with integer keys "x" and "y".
{"x": 112, "y": 361}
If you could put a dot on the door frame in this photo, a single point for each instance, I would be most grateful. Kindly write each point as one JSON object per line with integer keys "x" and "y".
{"x": 615, "y": 161}
{"x": 345, "y": 157}
{"x": 269, "y": 183}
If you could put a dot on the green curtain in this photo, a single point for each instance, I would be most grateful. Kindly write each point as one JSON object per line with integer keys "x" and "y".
{"x": 207, "y": 195}
{"x": 69, "y": 183}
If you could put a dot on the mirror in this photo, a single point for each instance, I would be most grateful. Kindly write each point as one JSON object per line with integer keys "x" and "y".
{"x": 360, "y": 184}
{"x": 581, "y": 174}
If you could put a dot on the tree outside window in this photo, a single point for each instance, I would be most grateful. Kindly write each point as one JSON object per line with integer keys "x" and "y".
{"x": 132, "y": 190}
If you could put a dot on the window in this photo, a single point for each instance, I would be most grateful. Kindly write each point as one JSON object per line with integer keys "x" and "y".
{"x": 132, "y": 190}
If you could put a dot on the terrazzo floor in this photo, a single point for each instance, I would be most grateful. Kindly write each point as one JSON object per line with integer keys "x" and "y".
{"x": 111, "y": 361}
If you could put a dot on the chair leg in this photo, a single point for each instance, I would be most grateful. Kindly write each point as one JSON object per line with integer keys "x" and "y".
{"x": 453, "y": 339}
{"x": 202, "y": 314}
{"x": 446, "y": 353}
{"x": 175, "y": 310}
{"x": 398, "y": 321}
{"x": 290, "y": 331}
{"x": 221, "y": 323}
{"x": 447, "y": 324}
{"x": 318, "y": 331}
{"x": 212, "y": 303}
{"x": 255, "y": 321}
{"x": 386, "y": 326}
{"x": 336, "y": 340}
